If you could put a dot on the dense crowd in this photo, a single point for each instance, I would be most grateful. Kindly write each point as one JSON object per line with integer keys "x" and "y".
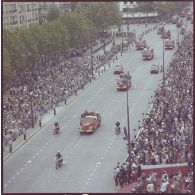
{"x": 166, "y": 132}
{"x": 52, "y": 81}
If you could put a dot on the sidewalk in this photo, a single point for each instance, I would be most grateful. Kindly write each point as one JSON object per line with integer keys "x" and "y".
{"x": 49, "y": 116}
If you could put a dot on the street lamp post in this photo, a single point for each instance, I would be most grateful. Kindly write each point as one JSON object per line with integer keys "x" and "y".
{"x": 178, "y": 38}
{"x": 31, "y": 108}
{"x": 91, "y": 61}
{"x": 163, "y": 63}
{"x": 128, "y": 128}
{"x": 122, "y": 43}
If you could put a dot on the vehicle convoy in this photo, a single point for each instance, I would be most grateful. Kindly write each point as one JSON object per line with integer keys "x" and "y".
{"x": 182, "y": 31}
{"x": 123, "y": 82}
{"x": 169, "y": 44}
{"x": 154, "y": 69}
{"x": 89, "y": 122}
{"x": 148, "y": 53}
{"x": 118, "y": 69}
{"x": 166, "y": 34}
{"x": 160, "y": 30}
{"x": 140, "y": 44}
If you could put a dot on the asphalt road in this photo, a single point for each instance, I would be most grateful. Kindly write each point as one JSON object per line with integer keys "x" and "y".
{"x": 89, "y": 159}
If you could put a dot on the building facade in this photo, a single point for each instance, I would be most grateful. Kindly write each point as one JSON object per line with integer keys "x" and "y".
{"x": 20, "y": 14}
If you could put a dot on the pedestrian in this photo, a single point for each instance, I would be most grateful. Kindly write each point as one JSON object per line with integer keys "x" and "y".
{"x": 65, "y": 97}
{"x": 24, "y": 132}
{"x": 54, "y": 109}
{"x": 10, "y": 144}
{"x": 125, "y": 133}
{"x": 115, "y": 177}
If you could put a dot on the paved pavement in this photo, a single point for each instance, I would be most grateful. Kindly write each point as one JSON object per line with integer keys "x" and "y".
{"x": 89, "y": 159}
{"x": 49, "y": 116}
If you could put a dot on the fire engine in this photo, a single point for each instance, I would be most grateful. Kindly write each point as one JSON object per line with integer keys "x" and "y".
{"x": 182, "y": 31}
{"x": 140, "y": 44}
{"x": 160, "y": 30}
{"x": 166, "y": 34}
{"x": 89, "y": 122}
{"x": 123, "y": 82}
{"x": 189, "y": 16}
{"x": 169, "y": 44}
{"x": 179, "y": 23}
{"x": 148, "y": 53}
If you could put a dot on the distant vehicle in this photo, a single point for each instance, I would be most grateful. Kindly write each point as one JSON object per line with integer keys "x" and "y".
{"x": 182, "y": 31}
{"x": 175, "y": 19}
{"x": 140, "y": 44}
{"x": 189, "y": 16}
{"x": 169, "y": 44}
{"x": 160, "y": 30}
{"x": 179, "y": 23}
{"x": 182, "y": 14}
{"x": 154, "y": 69}
{"x": 148, "y": 53}
{"x": 166, "y": 34}
{"x": 123, "y": 82}
{"x": 118, "y": 69}
{"x": 89, "y": 122}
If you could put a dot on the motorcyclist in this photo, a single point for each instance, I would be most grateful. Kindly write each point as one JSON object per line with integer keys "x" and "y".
{"x": 56, "y": 128}
{"x": 117, "y": 128}
{"x": 117, "y": 124}
{"x": 59, "y": 159}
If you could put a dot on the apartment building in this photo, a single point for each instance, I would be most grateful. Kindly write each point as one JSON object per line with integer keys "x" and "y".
{"x": 20, "y": 14}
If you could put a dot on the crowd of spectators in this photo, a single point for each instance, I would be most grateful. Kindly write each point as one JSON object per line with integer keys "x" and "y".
{"x": 165, "y": 135}
{"x": 52, "y": 81}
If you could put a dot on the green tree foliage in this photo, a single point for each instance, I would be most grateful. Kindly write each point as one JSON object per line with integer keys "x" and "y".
{"x": 78, "y": 28}
{"x": 15, "y": 48}
{"x": 8, "y": 74}
{"x": 102, "y": 14}
{"x": 57, "y": 37}
{"x": 53, "y": 13}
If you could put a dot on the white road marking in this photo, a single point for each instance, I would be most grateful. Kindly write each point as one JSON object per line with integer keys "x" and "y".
{"x": 17, "y": 173}
{"x": 86, "y": 183}
{"x": 5, "y": 186}
{"x": 89, "y": 178}
{"x": 22, "y": 169}
{"x": 9, "y": 181}
{"x": 29, "y": 161}
{"x": 13, "y": 177}
{"x": 37, "y": 153}
{"x": 33, "y": 157}
{"x": 84, "y": 188}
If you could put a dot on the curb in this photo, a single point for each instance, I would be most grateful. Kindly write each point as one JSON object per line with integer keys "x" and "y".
{"x": 36, "y": 131}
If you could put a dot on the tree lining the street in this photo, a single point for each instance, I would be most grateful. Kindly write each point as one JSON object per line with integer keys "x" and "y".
{"x": 23, "y": 48}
